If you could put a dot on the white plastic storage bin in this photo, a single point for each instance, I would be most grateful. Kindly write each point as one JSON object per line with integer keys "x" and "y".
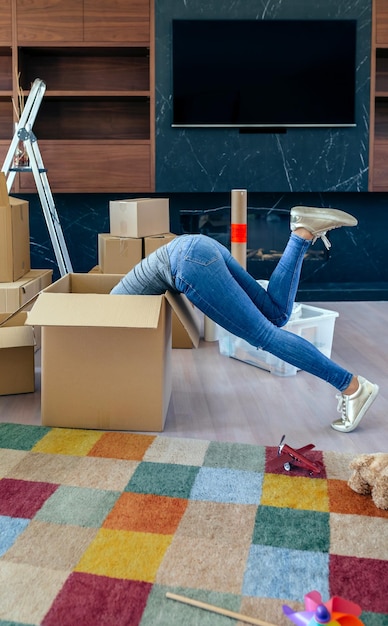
{"x": 314, "y": 324}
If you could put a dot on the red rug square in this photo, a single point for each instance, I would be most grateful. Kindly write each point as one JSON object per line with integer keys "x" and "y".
{"x": 360, "y": 580}
{"x": 89, "y": 600}
{"x": 22, "y": 498}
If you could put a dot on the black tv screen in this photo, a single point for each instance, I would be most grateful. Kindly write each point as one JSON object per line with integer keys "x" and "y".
{"x": 263, "y": 73}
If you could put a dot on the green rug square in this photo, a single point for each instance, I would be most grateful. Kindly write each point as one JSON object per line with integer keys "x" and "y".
{"x": 161, "y": 610}
{"x": 241, "y": 456}
{"x": 163, "y": 479}
{"x": 371, "y": 619}
{"x": 21, "y": 436}
{"x": 292, "y": 528}
{"x": 78, "y": 506}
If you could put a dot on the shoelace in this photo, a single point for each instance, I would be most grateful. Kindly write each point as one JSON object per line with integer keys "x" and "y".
{"x": 325, "y": 240}
{"x": 342, "y": 405}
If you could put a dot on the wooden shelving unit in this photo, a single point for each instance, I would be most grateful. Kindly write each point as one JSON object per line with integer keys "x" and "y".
{"x": 96, "y": 123}
{"x": 378, "y": 153}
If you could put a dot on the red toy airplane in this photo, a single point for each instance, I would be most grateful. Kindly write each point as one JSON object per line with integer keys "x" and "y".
{"x": 297, "y": 459}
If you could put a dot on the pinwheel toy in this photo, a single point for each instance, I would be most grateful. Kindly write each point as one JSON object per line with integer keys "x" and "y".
{"x": 337, "y": 611}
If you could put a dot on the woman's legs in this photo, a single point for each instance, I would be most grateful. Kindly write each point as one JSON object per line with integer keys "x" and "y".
{"x": 227, "y": 294}
{"x": 275, "y": 302}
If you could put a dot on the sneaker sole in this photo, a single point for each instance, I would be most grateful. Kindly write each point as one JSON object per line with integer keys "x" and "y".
{"x": 361, "y": 414}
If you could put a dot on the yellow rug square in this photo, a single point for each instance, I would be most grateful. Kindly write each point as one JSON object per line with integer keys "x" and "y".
{"x": 123, "y": 554}
{"x": 295, "y": 492}
{"x": 68, "y": 441}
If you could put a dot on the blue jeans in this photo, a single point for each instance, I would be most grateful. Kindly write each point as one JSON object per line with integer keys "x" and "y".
{"x": 217, "y": 285}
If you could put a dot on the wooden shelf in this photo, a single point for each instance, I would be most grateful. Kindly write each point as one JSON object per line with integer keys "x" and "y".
{"x": 95, "y": 125}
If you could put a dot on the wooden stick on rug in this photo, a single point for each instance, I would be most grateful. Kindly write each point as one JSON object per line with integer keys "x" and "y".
{"x": 216, "y": 609}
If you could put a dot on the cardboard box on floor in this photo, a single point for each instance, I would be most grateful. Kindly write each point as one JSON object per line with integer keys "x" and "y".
{"x": 106, "y": 360}
{"x": 14, "y": 295}
{"x": 139, "y": 217}
{"x": 15, "y": 260}
{"x": 17, "y": 345}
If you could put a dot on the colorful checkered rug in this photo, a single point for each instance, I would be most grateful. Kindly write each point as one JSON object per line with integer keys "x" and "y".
{"x": 96, "y": 527}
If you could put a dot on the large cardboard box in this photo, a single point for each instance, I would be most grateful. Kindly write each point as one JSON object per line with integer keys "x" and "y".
{"x": 106, "y": 360}
{"x": 14, "y": 295}
{"x": 15, "y": 260}
{"x": 17, "y": 365}
{"x": 118, "y": 255}
{"x": 139, "y": 218}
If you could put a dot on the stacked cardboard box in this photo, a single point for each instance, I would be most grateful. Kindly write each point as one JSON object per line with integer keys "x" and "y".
{"x": 19, "y": 285}
{"x": 132, "y": 223}
{"x": 137, "y": 228}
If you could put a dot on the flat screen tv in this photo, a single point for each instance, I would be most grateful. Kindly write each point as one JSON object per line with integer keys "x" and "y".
{"x": 263, "y": 73}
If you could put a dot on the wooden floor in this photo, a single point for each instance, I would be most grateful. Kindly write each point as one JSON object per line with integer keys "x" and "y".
{"x": 218, "y": 398}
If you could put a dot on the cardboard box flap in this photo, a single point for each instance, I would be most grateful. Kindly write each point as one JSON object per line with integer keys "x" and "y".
{"x": 13, "y": 333}
{"x": 17, "y": 318}
{"x": 97, "y": 310}
{"x": 186, "y": 314}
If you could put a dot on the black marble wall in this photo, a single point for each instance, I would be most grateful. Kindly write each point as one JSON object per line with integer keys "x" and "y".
{"x": 217, "y": 160}
{"x": 355, "y": 268}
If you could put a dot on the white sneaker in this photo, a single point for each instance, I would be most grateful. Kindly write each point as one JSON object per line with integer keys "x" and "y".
{"x": 354, "y": 407}
{"x": 318, "y": 221}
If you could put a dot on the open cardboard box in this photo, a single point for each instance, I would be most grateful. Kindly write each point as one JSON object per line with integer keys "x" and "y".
{"x": 180, "y": 337}
{"x": 106, "y": 360}
{"x": 17, "y": 364}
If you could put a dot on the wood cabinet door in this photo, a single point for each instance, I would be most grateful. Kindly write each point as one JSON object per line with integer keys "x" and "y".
{"x": 125, "y": 21}
{"x": 381, "y": 22}
{"x": 49, "y": 21}
{"x": 380, "y": 169}
{"x": 95, "y": 167}
{"x": 5, "y": 23}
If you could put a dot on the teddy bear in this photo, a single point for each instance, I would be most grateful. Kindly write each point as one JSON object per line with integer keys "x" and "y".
{"x": 370, "y": 476}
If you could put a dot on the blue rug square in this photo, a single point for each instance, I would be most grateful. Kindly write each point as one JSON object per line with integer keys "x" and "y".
{"x": 10, "y": 529}
{"x": 284, "y": 573}
{"x": 227, "y": 485}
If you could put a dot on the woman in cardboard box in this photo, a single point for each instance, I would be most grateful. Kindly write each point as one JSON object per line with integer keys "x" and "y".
{"x": 210, "y": 277}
